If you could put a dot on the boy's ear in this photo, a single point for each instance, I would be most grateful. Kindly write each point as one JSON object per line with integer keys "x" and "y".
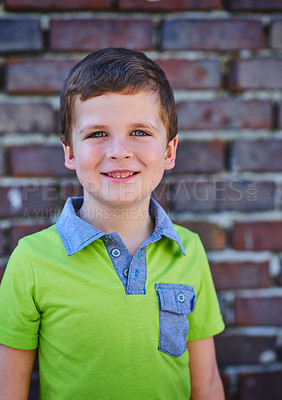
{"x": 69, "y": 156}
{"x": 170, "y": 153}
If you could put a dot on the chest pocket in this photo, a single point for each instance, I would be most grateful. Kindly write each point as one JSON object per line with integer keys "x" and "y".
{"x": 175, "y": 302}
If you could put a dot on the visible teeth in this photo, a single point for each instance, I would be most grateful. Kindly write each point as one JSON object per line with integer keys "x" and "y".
{"x": 120, "y": 174}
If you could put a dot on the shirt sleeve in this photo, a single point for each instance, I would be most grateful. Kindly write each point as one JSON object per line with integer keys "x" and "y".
{"x": 206, "y": 320}
{"x": 19, "y": 314}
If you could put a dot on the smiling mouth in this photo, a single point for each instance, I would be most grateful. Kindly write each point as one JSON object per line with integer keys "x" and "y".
{"x": 120, "y": 175}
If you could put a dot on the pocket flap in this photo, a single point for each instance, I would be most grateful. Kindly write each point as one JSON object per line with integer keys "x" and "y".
{"x": 176, "y": 298}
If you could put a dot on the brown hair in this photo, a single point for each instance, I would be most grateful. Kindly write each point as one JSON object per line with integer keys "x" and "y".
{"x": 116, "y": 70}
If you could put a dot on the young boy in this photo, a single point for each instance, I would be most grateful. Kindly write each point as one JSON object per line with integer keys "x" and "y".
{"x": 111, "y": 294}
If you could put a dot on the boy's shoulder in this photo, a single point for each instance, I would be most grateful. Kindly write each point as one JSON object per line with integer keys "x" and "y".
{"x": 45, "y": 237}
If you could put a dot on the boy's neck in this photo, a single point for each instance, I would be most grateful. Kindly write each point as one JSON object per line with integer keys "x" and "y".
{"x": 133, "y": 224}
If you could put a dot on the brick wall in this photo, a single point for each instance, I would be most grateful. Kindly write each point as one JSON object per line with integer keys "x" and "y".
{"x": 224, "y": 60}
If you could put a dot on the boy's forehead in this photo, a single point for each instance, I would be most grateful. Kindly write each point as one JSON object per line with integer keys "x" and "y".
{"x": 145, "y": 103}
{"x": 142, "y": 101}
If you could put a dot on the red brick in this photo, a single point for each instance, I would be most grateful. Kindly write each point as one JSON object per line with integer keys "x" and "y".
{"x": 26, "y": 118}
{"x": 188, "y": 74}
{"x": 183, "y": 34}
{"x": 251, "y": 348}
{"x": 199, "y": 157}
{"x": 225, "y": 114}
{"x": 90, "y": 34}
{"x": 169, "y": 5}
{"x": 20, "y": 35}
{"x": 212, "y": 236}
{"x": 214, "y": 195}
{"x": 240, "y": 275}
{"x": 255, "y": 5}
{"x": 37, "y": 160}
{"x": 257, "y": 235}
{"x": 264, "y": 311}
{"x": 260, "y": 385}
{"x": 20, "y": 230}
{"x": 50, "y": 5}
{"x": 260, "y": 155}
{"x": 264, "y": 73}
{"x": 33, "y": 199}
{"x": 276, "y": 34}
{"x": 37, "y": 76}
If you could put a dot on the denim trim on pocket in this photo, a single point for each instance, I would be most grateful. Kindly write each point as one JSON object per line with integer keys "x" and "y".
{"x": 175, "y": 302}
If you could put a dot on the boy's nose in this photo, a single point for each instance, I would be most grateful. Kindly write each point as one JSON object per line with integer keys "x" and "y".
{"x": 118, "y": 150}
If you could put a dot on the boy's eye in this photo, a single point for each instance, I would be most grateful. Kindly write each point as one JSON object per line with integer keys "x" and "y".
{"x": 97, "y": 134}
{"x": 138, "y": 132}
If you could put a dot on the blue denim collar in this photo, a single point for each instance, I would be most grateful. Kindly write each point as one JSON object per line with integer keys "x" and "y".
{"x": 76, "y": 233}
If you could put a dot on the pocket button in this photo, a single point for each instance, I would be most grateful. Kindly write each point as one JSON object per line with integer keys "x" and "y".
{"x": 181, "y": 298}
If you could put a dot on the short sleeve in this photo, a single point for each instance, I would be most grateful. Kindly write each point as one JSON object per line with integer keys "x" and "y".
{"x": 206, "y": 320}
{"x": 19, "y": 315}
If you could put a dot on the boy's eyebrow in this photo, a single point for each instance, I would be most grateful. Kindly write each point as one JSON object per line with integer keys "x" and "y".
{"x": 136, "y": 125}
{"x": 89, "y": 128}
{"x": 143, "y": 125}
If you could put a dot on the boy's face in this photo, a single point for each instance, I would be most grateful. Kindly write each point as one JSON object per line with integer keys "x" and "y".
{"x": 119, "y": 148}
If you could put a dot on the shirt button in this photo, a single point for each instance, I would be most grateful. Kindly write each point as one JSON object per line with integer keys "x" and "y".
{"x": 107, "y": 239}
{"x": 181, "y": 298}
{"x": 125, "y": 272}
{"x": 115, "y": 253}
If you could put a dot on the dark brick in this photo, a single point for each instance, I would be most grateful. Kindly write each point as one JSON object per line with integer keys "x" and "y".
{"x": 161, "y": 194}
{"x": 226, "y": 385}
{"x": 215, "y": 195}
{"x": 251, "y": 348}
{"x": 183, "y": 34}
{"x": 257, "y": 235}
{"x": 2, "y": 270}
{"x": 37, "y": 160}
{"x": 26, "y": 118}
{"x": 50, "y": 5}
{"x": 199, "y": 157}
{"x": 2, "y": 161}
{"x": 20, "y": 35}
{"x": 264, "y": 311}
{"x": 260, "y": 385}
{"x": 70, "y": 189}
{"x": 212, "y": 236}
{"x": 18, "y": 231}
{"x": 260, "y": 155}
{"x": 240, "y": 275}
{"x": 264, "y": 73}
{"x": 32, "y": 200}
{"x": 37, "y": 76}
{"x": 276, "y": 34}
{"x": 225, "y": 114}
{"x": 254, "y": 5}
{"x": 90, "y": 34}
{"x": 2, "y": 241}
{"x": 196, "y": 74}
{"x": 169, "y": 5}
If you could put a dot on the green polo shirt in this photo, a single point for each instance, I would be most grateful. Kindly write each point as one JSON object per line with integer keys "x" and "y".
{"x": 108, "y": 326}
